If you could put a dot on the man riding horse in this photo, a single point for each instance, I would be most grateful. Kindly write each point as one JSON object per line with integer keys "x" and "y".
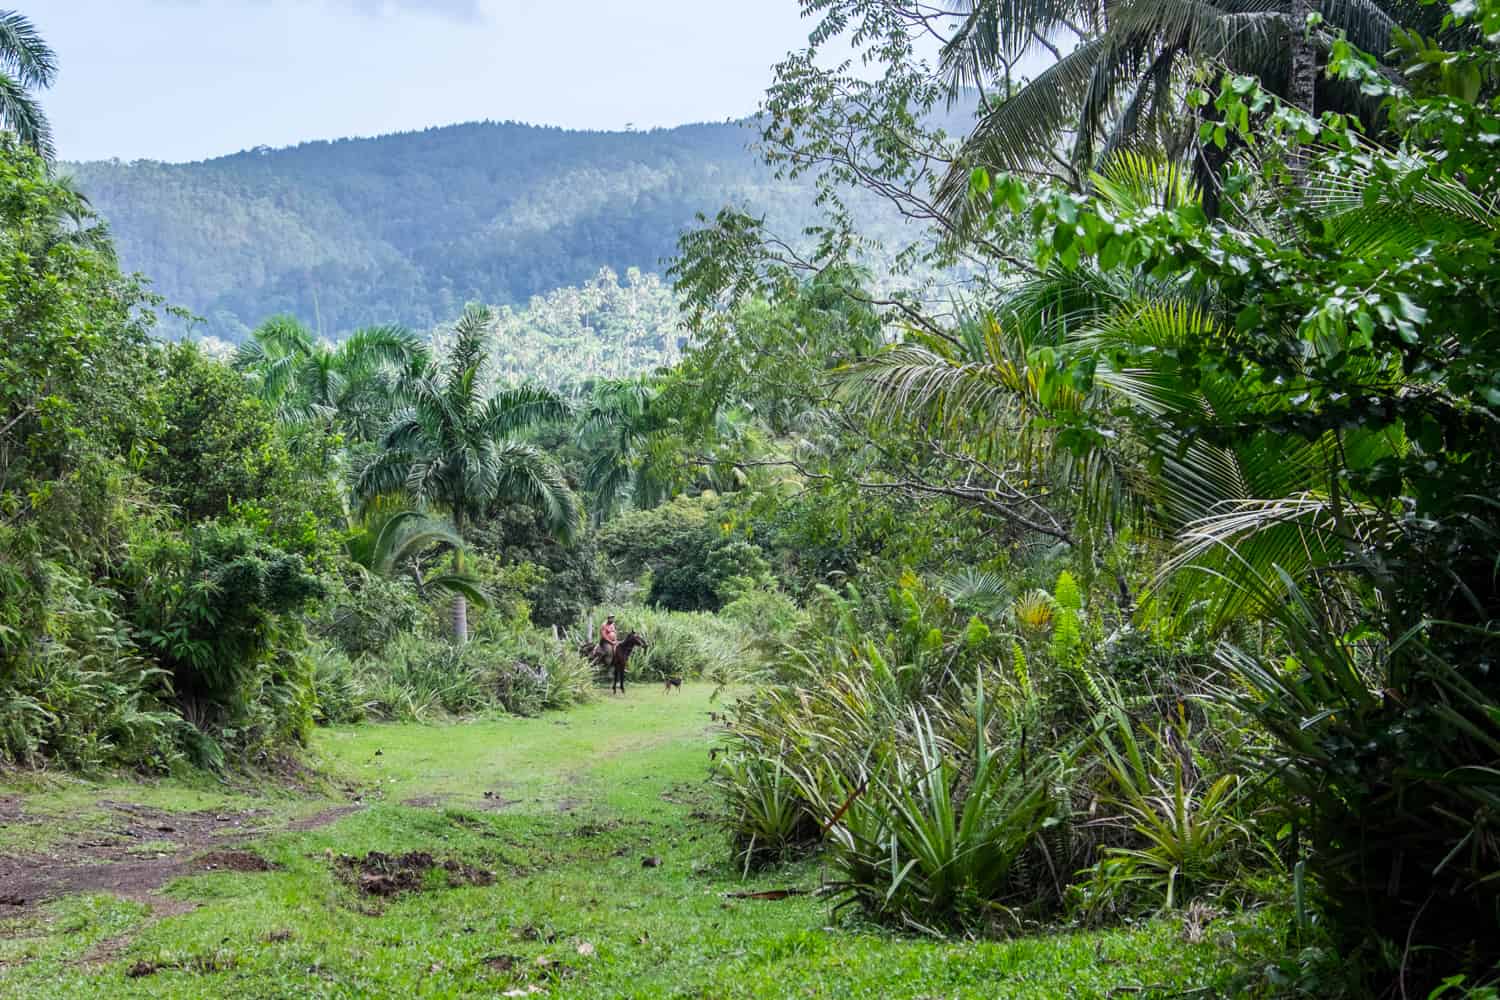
{"x": 614, "y": 652}
{"x": 608, "y": 639}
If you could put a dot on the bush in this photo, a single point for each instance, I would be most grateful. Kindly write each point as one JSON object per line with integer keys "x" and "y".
{"x": 422, "y": 679}
{"x": 365, "y": 612}
{"x": 340, "y": 695}
{"x": 960, "y": 780}
{"x": 694, "y": 562}
{"x": 216, "y": 606}
{"x": 83, "y": 695}
{"x": 570, "y": 581}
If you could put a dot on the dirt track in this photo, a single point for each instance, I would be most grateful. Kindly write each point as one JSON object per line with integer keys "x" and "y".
{"x": 138, "y": 851}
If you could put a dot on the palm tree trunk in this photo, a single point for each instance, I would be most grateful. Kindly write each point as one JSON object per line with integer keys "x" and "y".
{"x": 1303, "y": 79}
{"x": 460, "y": 604}
{"x": 460, "y": 619}
{"x": 1302, "y": 84}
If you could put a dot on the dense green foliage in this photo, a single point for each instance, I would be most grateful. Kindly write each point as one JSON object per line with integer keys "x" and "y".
{"x": 1223, "y": 416}
{"x": 1152, "y": 570}
{"x": 182, "y": 575}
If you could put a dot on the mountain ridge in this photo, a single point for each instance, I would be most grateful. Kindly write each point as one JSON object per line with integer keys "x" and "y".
{"x": 407, "y": 227}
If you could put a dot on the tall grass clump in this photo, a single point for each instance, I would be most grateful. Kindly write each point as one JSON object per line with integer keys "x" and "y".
{"x": 418, "y": 678}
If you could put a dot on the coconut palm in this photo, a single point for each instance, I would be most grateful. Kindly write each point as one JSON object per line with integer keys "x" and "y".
{"x": 1124, "y": 85}
{"x": 26, "y": 64}
{"x": 452, "y": 447}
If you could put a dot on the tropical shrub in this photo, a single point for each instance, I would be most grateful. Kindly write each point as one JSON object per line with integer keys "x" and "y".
{"x": 220, "y": 454}
{"x": 570, "y": 581}
{"x": 424, "y": 679}
{"x": 363, "y": 613}
{"x": 942, "y": 833}
{"x": 766, "y": 812}
{"x": 695, "y": 564}
{"x": 218, "y": 607}
{"x": 85, "y": 695}
{"x": 340, "y": 695}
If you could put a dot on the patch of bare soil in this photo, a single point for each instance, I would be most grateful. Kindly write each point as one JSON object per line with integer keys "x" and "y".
{"x": 136, "y": 852}
{"x": 378, "y": 874}
{"x": 10, "y": 810}
{"x": 496, "y": 801}
{"x": 501, "y": 963}
{"x": 31, "y": 880}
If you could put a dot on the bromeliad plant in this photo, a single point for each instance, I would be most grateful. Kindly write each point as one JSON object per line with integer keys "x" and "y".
{"x": 1183, "y": 821}
{"x": 1329, "y": 350}
{"x": 950, "y": 830}
{"x": 768, "y": 813}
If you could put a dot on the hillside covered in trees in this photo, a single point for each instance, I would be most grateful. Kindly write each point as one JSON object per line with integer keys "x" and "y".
{"x": 407, "y": 228}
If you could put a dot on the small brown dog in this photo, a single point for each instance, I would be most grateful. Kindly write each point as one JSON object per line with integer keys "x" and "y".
{"x": 672, "y": 682}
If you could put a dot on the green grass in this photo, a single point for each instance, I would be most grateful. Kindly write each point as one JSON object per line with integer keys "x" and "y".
{"x": 593, "y": 792}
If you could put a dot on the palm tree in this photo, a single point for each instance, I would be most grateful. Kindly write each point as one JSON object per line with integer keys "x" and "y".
{"x": 345, "y": 389}
{"x": 1124, "y": 85}
{"x": 452, "y": 447}
{"x": 648, "y": 439}
{"x": 623, "y": 429}
{"x": 390, "y": 540}
{"x": 26, "y": 64}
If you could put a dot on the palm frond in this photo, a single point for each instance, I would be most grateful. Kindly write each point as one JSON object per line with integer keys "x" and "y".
{"x": 377, "y": 345}
{"x": 23, "y": 51}
{"x": 1220, "y": 559}
{"x": 513, "y": 410}
{"x": 1025, "y": 132}
{"x": 23, "y": 115}
{"x": 527, "y": 475}
{"x": 405, "y": 534}
{"x": 463, "y": 584}
{"x": 976, "y": 589}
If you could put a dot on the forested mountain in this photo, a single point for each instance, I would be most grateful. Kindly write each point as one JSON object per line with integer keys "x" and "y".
{"x": 407, "y": 228}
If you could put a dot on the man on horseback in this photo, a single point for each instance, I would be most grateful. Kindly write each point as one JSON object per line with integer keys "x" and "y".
{"x": 608, "y": 639}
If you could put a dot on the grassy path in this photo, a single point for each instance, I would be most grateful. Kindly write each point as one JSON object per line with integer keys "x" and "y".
{"x": 575, "y": 803}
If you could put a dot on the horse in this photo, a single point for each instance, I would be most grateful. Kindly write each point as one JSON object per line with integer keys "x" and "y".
{"x": 616, "y": 660}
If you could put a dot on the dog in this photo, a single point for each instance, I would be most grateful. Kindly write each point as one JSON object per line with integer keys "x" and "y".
{"x": 672, "y": 682}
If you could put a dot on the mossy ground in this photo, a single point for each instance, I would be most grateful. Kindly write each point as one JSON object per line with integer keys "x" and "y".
{"x": 576, "y": 802}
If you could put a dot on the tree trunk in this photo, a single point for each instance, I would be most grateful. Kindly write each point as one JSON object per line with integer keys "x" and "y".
{"x": 460, "y": 603}
{"x": 1303, "y": 81}
{"x": 460, "y": 619}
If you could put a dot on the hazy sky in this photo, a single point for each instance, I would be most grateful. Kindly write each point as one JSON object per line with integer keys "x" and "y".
{"x": 189, "y": 79}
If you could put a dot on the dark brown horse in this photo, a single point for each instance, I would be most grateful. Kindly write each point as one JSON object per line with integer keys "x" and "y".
{"x": 617, "y": 659}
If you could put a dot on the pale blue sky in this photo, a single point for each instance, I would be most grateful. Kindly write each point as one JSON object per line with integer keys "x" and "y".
{"x": 188, "y": 79}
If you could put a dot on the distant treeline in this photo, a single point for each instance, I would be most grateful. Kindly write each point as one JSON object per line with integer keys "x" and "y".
{"x": 407, "y": 228}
